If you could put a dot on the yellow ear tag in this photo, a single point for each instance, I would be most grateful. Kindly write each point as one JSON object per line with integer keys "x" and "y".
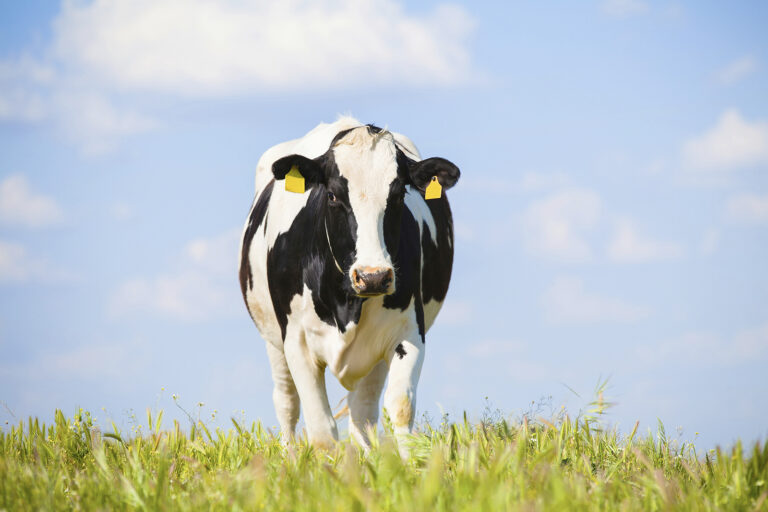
{"x": 434, "y": 190}
{"x": 294, "y": 181}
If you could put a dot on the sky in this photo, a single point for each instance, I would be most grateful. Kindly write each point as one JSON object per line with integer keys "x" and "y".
{"x": 611, "y": 219}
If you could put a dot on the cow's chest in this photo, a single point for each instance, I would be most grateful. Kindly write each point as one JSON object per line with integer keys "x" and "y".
{"x": 350, "y": 355}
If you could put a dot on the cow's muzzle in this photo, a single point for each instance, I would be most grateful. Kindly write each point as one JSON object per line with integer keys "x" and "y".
{"x": 373, "y": 281}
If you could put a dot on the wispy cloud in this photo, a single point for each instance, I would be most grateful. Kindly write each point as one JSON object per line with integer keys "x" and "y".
{"x": 737, "y": 70}
{"x": 732, "y": 143}
{"x": 628, "y": 245}
{"x": 748, "y": 208}
{"x": 17, "y": 265}
{"x": 94, "y": 122}
{"x": 556, "y": 226}
{"x": 20, "y": 206}
{"x": 201, "y": 47}
{"x": 201, "y": 286}
{"x": 568, "y": 301}
{"x": 104, "y": 51}
{"x": 73, "y": 105}
{"x": 21, "y": 81}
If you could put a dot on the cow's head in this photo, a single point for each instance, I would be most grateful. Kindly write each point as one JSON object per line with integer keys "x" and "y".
{"x": 361, "y": 182}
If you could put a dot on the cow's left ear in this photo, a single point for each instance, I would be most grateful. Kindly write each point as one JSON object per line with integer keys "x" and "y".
{"x": 421, "y": 172}
{"x": 311, "y": 170}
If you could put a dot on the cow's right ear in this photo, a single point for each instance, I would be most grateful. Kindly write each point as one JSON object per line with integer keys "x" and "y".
{"x": 309, "y": 169}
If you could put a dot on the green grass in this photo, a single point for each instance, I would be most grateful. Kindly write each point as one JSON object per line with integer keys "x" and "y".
{"x": 561, "y": 465}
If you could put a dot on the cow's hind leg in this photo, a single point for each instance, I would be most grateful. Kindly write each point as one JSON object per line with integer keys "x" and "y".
{"x": 310, "y": 383}
{"x": 363, "y": 404}
{"x": 284, "y": 394}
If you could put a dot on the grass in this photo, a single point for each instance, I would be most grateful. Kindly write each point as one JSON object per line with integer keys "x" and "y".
{"x": 563, "y": 464}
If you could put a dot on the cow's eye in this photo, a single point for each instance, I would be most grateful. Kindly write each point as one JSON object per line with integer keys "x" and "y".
{"x": 331, "y": 197}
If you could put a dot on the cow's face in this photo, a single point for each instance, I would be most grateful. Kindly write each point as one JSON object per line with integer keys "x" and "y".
{"x": 360, "y": 185}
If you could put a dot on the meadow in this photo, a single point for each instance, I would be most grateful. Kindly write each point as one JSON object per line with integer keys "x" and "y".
{"x": 493, "y": 464}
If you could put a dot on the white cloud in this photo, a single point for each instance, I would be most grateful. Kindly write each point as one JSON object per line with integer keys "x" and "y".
{"x": 629, "y": 246}
{"x": 737, "y": 70}
{"x": 201, "y": 286}
{"x": 17, "y": 266}
{"x": 734, "y": 142}
{"x": 624, "y": 8}
{"x": 556, "y": 226}
{"x": 566, "y": 301}
{"x": 18, "y": 104}
{"x": 203, "y": 47}
{"x": 20, "y": 97}
{"x": 92, "y": 121}
{"x": 89, "y": 118}
{"x": 105, "y": 50}
{"x": 20, "y": 206}
{"x": 748, "y": 208}
{"x": 14, "y": 264}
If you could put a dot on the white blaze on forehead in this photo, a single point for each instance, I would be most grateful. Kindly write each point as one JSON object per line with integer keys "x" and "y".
{"x": 369, "y": 164}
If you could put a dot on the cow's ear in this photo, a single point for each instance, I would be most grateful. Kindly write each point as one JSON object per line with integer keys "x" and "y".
{"x": 421, "y": 172}
{"x": 311, "y": 170}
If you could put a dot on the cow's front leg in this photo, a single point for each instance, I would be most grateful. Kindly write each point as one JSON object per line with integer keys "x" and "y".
{"x": 309, "y": 377}
{"x": 363, "y": 404}
{"x": 400, "y": 397}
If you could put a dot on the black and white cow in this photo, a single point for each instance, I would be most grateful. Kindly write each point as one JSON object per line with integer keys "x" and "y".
{"x": 348, "y": 275}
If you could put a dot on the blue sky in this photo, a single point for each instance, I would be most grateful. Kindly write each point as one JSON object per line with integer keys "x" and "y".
{"x": 611, "y": 219}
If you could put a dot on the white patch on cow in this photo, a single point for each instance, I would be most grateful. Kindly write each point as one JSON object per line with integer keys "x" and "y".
{"x": 369, "y": 164}
{"x": 420, "y": 211}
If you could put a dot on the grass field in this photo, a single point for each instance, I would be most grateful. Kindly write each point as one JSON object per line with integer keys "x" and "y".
{"x": 563, "y": 464}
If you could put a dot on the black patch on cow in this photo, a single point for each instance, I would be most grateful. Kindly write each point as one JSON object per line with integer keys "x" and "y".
{"x": 400, "y": 350}
{"x": 373, "y": 129}
{"x": 407, "y": 262}
{"x": 438, "y": 259}
{"x": 258, "y": 213}
{"x": 286, "y": 260}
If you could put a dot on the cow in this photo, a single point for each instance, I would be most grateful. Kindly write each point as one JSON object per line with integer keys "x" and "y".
{"x": 344, "y": 265}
